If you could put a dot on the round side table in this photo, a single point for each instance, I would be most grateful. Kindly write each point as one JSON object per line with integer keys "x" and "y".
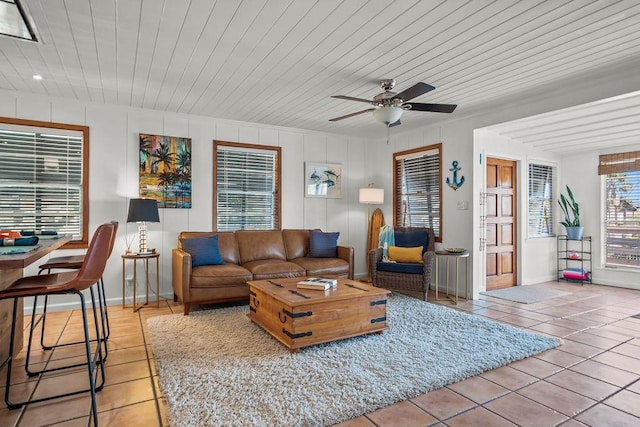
{"x": 457, "y": 256}
{"x": 136, "y": 258}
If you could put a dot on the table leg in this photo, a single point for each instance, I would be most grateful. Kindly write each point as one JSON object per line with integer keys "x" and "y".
{"x": 146, "y": 270}
{"x": 457, "y": 259}
{"x": 135, "y": 282}
{"x": 124, "y": 274}
{"x": 437, "y": 280}
{"x": 446, "y": 286}
{"x": 157, "y": 283}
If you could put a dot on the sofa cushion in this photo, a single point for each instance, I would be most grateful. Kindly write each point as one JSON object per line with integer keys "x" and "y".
{"x": 296, "y": 242}
{"x": 213, "y": 276}
{"x": 203, "y": 250}
{"x": 400, "y": 254}
{"x": 273, "y": 268}
{"x": 400, "y": 267}
{"x": 323, "y": 266}
{"x": 323, "y": 245}
{"x": 260, "y": 244}
{"x": 409, "y": 239}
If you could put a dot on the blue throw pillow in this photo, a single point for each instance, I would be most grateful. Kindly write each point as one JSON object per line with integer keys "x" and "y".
{"x": 323, "y": 245}
{"x": 410, "y": 239}
{"x": 203, "y": 250}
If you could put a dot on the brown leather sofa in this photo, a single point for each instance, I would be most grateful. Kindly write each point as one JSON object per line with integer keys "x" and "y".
{"x": 250, "y": 255}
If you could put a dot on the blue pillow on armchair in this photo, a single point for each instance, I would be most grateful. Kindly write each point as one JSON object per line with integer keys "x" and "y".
{"x": 203, "y": 250}
{"x": 410, "y": 239}
{"x": 323, "y": 245}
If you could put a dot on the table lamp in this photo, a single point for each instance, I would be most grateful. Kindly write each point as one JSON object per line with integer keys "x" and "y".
{"x": 143, "y": 211}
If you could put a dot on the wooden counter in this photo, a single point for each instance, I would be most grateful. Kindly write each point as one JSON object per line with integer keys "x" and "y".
{"x": 11, "y": 269}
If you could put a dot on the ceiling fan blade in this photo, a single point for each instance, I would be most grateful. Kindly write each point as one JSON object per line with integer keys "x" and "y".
{"x": 414, "y": 91}
{"x": 351, "y": 98}
{"x": 351, "y": 115}
{"x": 435, "y": 108}
{"x": 396, "y": 123}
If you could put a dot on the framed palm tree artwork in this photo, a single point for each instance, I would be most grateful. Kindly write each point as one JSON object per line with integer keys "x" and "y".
{"x": 165, "y": 170}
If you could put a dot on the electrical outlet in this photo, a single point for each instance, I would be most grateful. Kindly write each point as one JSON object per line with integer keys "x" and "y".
{"x": 462, "y": 205}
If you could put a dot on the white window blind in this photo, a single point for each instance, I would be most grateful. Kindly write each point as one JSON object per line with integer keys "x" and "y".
{"x": 41, "y": 180}
{"x": 418, "y": 189}
{"x": 246, "y": 188}
{"x": 540, "y": 200}
{"x": 622, "y": 218}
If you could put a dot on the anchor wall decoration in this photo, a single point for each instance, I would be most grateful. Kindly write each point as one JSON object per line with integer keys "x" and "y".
{"x": 455, "y": 184}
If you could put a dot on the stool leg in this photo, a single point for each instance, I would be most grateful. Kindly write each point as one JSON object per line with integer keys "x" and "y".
{"x": 9, "y": 360}
{"x": 106, "y": 312}
{"x": 87, "y": 342}
{"x": 32, "y": 327}
{"x": 98, "y": 357}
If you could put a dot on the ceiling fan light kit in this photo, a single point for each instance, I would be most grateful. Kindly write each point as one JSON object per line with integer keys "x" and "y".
{"x": 387, "y": 115}
{"x": 389, "y": 105}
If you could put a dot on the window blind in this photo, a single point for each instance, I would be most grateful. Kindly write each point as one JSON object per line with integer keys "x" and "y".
{"x": 246, "y": 188}
{"x": 41, "y": 180}
{"x": 540, "y": 209}
{"x": 619, "y": 162}
{"x": 622, "y": 219}
{"x": 417, "y": 201}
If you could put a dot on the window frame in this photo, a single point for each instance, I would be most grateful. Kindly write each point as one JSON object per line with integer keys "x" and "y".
{"x": 606, "y": 222}
{"x": 397, "y": 196}
{"x": 83, "y": 242}
{"x": 278, "y": 178}
{"x": 551, "y": 199}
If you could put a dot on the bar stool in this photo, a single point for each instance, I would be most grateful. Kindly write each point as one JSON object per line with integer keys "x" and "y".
{"x": 71, "y": 282}
{"x": 70, "y": 262}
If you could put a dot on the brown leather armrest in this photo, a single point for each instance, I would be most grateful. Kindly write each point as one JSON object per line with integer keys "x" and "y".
{"x": 346, "y": 253}
{"x": 181, "y": 273}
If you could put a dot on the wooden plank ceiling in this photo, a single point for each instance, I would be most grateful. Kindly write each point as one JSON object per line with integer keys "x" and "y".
{"x": 278, "y": 62}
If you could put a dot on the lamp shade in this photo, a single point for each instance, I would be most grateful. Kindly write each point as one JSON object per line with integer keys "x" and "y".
{"x": 374, "y": 196}
{"x": 143, "y": 210}
{"x": 388, "y": 115}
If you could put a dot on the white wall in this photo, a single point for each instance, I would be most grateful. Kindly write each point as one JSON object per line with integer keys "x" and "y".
{"x": 113, "y": 180}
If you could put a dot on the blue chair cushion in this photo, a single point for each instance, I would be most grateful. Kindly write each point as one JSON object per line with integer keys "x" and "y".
{"x": 410, "y": 239}
{"x": 400, "y": 267}
{"x": 323, "y": 245}
{"x": 203, "y": 250}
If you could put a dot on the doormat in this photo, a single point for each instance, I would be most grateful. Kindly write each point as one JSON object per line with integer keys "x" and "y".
{"x": 526, "y": 294}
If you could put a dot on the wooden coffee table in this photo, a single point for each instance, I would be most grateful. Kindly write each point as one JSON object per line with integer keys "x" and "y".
{"x": 302, "y": 317}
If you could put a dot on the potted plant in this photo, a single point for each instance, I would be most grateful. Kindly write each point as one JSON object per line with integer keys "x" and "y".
{"x": 572, "y": 225}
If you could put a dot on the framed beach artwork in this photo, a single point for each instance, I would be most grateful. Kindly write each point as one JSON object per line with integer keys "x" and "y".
{"x": 165, "y": 170}
{"x": 323, "y": 180}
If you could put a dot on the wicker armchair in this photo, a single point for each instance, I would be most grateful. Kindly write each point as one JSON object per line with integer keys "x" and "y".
{"x": 401, "y": 281}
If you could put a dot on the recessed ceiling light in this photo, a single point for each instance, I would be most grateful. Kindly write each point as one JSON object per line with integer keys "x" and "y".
{"x": 37, "y": 77}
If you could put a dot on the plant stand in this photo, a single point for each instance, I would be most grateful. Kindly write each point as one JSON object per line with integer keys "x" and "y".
{"x": 574, "y": 259}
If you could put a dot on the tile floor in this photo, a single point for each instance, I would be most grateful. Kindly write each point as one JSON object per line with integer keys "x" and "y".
{"x": 592, "y": 379}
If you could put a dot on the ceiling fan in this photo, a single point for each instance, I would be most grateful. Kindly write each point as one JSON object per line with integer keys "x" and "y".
{"x": 389, "y": 106}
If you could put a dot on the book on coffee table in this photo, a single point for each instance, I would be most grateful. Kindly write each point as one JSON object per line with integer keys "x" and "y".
{"x": 319, "y": 283}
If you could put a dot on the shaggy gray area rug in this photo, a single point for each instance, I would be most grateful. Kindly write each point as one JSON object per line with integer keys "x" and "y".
{"x": 218, "y": 368}
{"x": 526, "y": 294}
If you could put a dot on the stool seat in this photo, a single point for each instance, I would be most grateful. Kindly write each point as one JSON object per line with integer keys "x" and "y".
{"x": 43, "y": 284}
{"x": 69, "y": 261}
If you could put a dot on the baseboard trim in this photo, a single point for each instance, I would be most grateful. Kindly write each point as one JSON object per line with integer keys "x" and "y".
{"x": 66, "y": 306}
